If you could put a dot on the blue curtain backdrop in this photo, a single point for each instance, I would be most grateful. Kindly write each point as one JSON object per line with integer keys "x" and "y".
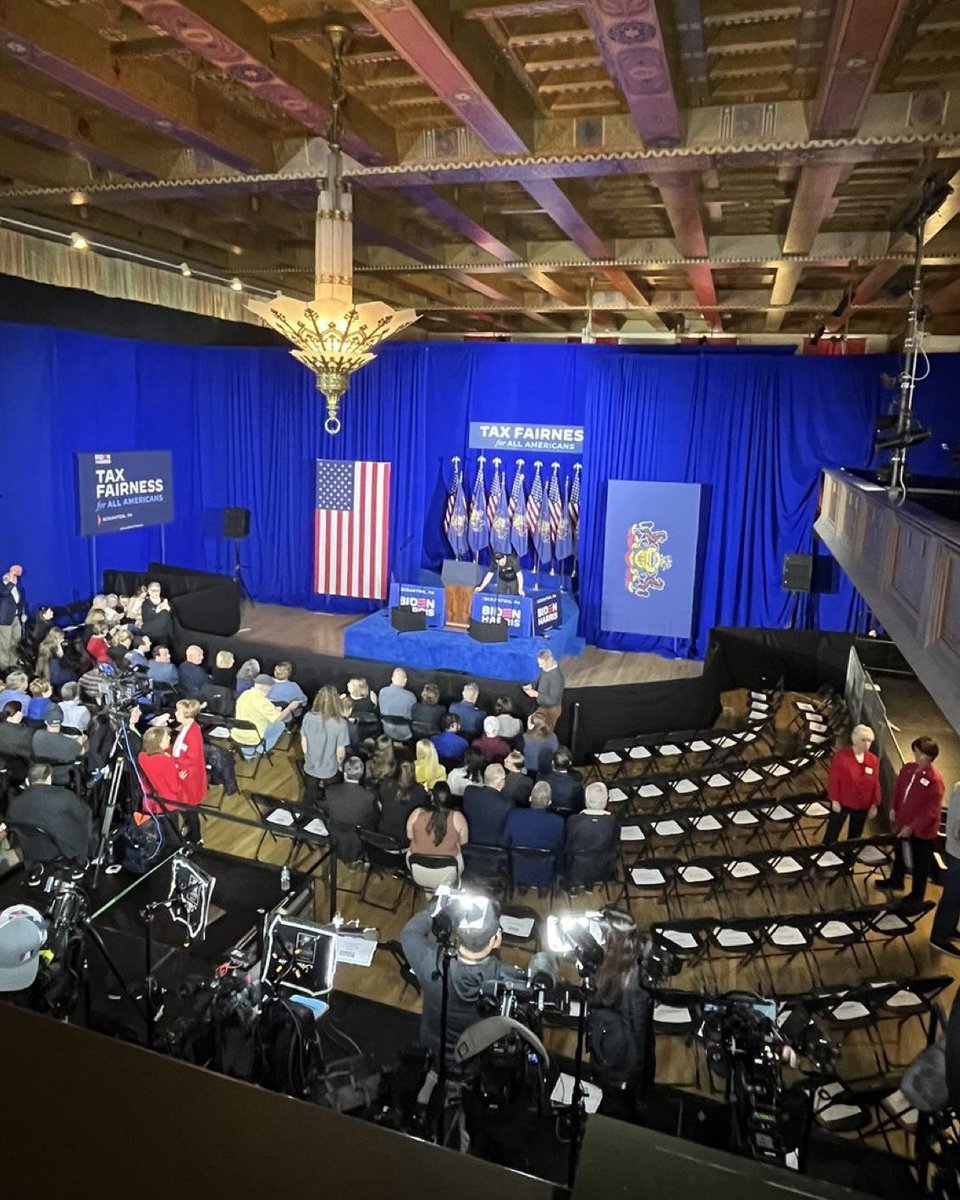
{"x": 245, "y": 426}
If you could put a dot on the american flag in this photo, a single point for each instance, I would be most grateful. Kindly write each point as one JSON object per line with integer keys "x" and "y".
{"x": 534, "y": 500}
{"x": 352, "y": 528}
{"x": 555, "y": 502}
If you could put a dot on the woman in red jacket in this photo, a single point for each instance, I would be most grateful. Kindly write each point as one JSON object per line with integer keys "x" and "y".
{"x": 97, "y": 643}
{"x": 188, "y": 752}
{"x": 853, "y": 786}
{"x": 165, "y": 779}
{"x": 915, "y": 817}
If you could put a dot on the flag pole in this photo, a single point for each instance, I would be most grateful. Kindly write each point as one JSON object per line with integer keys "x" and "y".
{"x": 456, "y": 479}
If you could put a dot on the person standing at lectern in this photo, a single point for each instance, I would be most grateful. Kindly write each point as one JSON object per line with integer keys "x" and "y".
{"x": 506, "y": 568}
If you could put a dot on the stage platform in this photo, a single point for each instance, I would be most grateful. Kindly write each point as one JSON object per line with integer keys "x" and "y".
{"x": 375, "y": 638}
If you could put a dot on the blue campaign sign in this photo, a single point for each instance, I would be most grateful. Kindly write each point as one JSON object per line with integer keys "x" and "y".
{"x": 546, "y": 612}
{"x": 489, "y": 609}
{"x": 526, "y": 439}
{"x": 124, "y": 490}
{"x": 650, "y": 558}
{"x": 431, "y": 601}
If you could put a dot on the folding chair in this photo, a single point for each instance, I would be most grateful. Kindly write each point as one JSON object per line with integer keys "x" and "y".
{"x": 487, "y": 866}
{"x": 700, "y": 877}
{"x": 736, "y": 938}
{"x": 520, "y": 926}
{"x": 914, "y": 999}
{"x": 844, "y": 930}
{"x": 430, "y": 871}
{"x": 534, "y": 856}
{"x": 858, "y": 1010}
{"x": 790, "y": 938}
{"x": 407, "y": 973}
{"x": 385, "y": 859}
{"x": 259, "y": 750}
{"x": 837, "y": 1110}
{"x": 651, "y": 879}
{"x": 679, "y": 1014}
{"x": 892, "y": 924}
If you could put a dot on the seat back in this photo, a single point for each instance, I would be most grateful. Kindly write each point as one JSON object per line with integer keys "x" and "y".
{"x": 533, "y": 856}
{"x": 486, "y": 864}
{"x": 430, "y": 871}
{"x": 381, "y": 850}
{"x": 36, "y": 844}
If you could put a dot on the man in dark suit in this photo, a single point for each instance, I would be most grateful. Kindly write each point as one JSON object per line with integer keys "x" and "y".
{"x": 66, "y": 821}
{"x": 50, "y": 745}
{"x": 486, "y": 808}
{"x": 16, "y": 744}
{"x": 192, "y": 676}
{"x": 537, "y": 829}
{"x": 566, "y": 786}
{"x": 13, "y": 615}
{"x": 519, "y": 784}
{"x": 347, "y": 807}
{"x": 590, "y": 848}
{"x": 467, "y": 712}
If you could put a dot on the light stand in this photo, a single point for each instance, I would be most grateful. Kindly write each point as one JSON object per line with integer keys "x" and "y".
{"x": 445, "y": 953}
{"x": 576, "y": 1098}
{"x": 242, "y": 590}
{"x": 114, "y": 771}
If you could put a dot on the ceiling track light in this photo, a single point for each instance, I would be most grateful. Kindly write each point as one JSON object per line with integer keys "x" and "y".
{"x": 236, "y": 285}
{"x": 185, "y": 270}
{"x": 78, "y": 241}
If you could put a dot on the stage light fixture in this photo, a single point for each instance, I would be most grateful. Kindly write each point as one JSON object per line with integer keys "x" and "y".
{"x": 79, "y": 242}
{"x": 185, "y": 270}
{"x": 333, "y": 336}
{"x": 237, "y": 286}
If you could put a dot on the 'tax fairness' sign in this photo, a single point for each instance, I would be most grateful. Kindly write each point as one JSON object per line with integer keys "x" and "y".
{"x": 124, "y": 490}
{"x": 534, "y": 439}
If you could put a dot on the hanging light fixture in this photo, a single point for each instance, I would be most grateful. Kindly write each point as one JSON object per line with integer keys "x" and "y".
{"x": 333, "y": 336}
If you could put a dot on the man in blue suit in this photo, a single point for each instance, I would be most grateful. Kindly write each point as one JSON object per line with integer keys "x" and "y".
{"x": 486, "y": 808}
{"x": 13, "y": 616}
{"x": 537, "y": 829}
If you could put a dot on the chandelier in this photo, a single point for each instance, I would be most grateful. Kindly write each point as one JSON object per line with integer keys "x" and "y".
{"x": 333, "y": 336}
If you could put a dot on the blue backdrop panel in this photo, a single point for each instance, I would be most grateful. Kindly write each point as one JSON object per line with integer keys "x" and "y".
{"x": 245, "y": 427}
{"x": 650, "y": 558}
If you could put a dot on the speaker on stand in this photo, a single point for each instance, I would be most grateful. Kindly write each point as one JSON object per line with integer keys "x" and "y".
{"x": 797, "y": 577}
{"x": 236, "y": 527}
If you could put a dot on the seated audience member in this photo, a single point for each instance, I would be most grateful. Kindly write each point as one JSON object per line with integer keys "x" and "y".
{"x": 324, "y": 738}
{"x": 51, "y": 745}
{"x": 188, "y": 751}
{"x": 95, "y": 616}
{"x": 50, "y": 664}
{"x": 96, "y": 645}
{"x": 64, "y": 818}
{"x": 383, "y": 762}
{"x": 511, "y": 727}
{"x": 539, "y": 745}
{"x": 627, "y": 1077}
{"x": 349, "y": 806}
{"x": 592, "y": 837}
{"x": 519, "y": 784}
{"x": 16, "y": 739}
{"x": 192, "y": 675}
{"x": 133, "y": 606}
{"x": 353, "y": 728}
{"x": 427, "y": 768}
{"x": 396, "y": 700}
{"x": 155, "y": 617}
{"x": 75, "y": 715}
{"x": 161, "y": 669}
{"x": 254, "y": 706}
{"x": 475, "y": 762}
{"x": 451, "y": 747}
{"x": 400, "y": 795}
{"x": 139, "y": 653}
{"x": 113, "y": 614}
{"x": 436, "y": 830}
{"x": 467, "y": 712}
{"x": 490, "y": 743}
{"x": 363, "y": 704}
{"x": 40, "y": 697}
{"x": 428, "y": 711}
{"x": 486, "y": 808}
{"x": 246, "y": 674}
{"x": 915, "y": 818}
{"x": 286, "y": 689}
{"x": 473, "y": 965}
{"x": 165, "y": 779}
{"x": 40, "y": 626}
{"x": 566, "y": 786}
{"x": 224, "y": 670}
{"x": 547, "y": 690}
{"x": 16, "y": 689}
{"x": 537, "y": 829}
{"x": 119, "y": 644}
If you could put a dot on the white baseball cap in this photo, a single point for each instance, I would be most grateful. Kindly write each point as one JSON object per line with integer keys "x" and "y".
{"x": 23, "y": 933}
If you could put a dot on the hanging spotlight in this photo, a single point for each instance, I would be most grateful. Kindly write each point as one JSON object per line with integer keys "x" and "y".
{"x": 79, "y": 242}
{"x": 78, "y": 198}
{"x": 236, "y": 284}
{"x": 185, "y": 270}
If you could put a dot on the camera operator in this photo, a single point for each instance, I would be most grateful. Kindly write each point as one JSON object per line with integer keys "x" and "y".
{"x": 622, "y": 1049}
{"x": 473, "y": 966}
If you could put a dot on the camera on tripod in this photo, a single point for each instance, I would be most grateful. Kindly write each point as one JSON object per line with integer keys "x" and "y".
{"x": 118, "y": 691}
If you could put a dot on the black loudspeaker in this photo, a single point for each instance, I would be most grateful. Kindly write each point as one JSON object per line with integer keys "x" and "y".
{"x": 236, "y": 523}
{"x": 797, "y": 572}
{"x": 480, "y": 631}
{"x": 405, "y": 620}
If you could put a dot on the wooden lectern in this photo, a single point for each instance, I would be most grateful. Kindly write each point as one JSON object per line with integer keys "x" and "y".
{"x": 459, "y": 580}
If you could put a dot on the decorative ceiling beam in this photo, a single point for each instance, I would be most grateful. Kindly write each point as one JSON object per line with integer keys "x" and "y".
{"x": 461, "y": 222}
{"x": 65, "y": 50}
{"x": 871, "y": 285}
{"x": 861, "y": 36}
{"x": 946, "y": 300}
{"x": 232, "y": 37}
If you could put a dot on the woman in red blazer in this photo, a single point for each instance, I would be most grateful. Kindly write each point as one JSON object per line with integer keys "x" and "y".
{"x": 915, "y": 817}
{"x": 853, "y": 785}
{"x": 165, "y": 779}
{"x": 188, "y": 752}
{"x": 97, "y": 643}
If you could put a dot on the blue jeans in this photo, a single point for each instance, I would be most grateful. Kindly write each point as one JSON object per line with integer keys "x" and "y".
{"x": 948, "y": 910}
{"x": 271, "y": 735}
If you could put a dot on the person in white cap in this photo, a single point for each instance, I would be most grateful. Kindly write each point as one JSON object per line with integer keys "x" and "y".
{"x": 23, "y": 934}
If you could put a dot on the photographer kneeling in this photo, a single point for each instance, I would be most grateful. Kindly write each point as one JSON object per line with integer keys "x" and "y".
{"x": 620, "y": 1028}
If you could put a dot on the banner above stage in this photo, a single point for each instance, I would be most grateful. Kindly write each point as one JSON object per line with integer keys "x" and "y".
{"x": 124, "y": 490}
{"x": 532, "y": 439}
{"x": 650, "y": 557}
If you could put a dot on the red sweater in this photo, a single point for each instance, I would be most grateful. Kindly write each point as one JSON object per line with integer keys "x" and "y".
{"x": 917, "y": 800}
{"x": 97, "y": 649}
{"x": 193, "y": 789}
{"x": 854, "y": 784}
{"x": 163, "y": 776}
